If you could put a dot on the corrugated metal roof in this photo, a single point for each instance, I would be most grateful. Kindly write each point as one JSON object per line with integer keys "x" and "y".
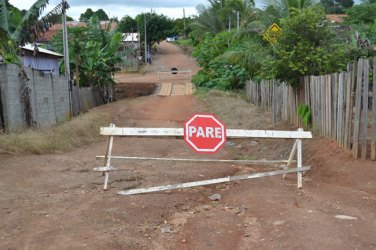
{"x": 129, "y": 37}
{"x": 31, "y": 47}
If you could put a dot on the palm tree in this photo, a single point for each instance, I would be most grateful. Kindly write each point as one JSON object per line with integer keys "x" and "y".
{"x": 249, "y": 54}
{"x": 215, "y": 18}
{"x": 283, "y": 8}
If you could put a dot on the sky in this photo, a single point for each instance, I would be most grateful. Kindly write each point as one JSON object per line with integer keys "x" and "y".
{"x": 120, "y": 8}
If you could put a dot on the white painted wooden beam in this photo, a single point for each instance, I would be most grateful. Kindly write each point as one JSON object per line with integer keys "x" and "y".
{"x": 261, "y": 162}
{"x": 212, "y": 181}
{"x": 179, "y": 132}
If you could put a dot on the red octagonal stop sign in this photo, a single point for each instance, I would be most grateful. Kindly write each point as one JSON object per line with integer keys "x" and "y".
{"x": 205, "y": 133}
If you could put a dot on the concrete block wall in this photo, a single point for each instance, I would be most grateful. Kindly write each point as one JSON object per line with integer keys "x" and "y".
{"x": 49, "y": 98}
{"x": 11, "y": 97}
{"x": 61, "y": 97}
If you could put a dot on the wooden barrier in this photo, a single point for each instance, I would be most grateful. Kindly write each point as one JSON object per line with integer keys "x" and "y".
{"x": 179, "y": 132}
{"x": 174, "y": 75}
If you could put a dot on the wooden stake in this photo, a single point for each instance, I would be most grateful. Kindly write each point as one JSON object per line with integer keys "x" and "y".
{"x": 291, "y": 157}
{"x": 108, "y": 159}
{"x": 212, "y": 181}
{"x": 299, "y": 161}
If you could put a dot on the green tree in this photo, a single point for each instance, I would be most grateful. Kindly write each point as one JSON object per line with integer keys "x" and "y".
{"x": 249, "y": 53}
{"x": 284, "y": 8}
{"x": 307, "y": 46}
{"x": 179, "y": 26}
{"x": 220, "y": 14}
{"x": 127, "y": 25}
{"x": 101, "y": 14}
{"x": 93, "y": 55}
{"x": 86, "y": 15}
{"x": 362, "y": 19}
{"x": 364, "y": 13}
{"x": 217, "y": 72}
{"x": 336, "y": 6}
{"x": 158, "y": 27}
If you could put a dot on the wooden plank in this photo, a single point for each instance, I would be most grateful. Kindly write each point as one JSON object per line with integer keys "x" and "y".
{"x": 320, "y": 112}
{"x": 313, "y": 100}
{"x": 108, "y": 159}
{"x": 340, "y": 110}
{"x": 188, "y": 88}
{"x": 299, "y": 159}
{"x": 255, "y": 162}
{"x": 352, "y": 104}
{"x": 104, "y": 169}
{"x": 373, "y": 136}
{"x": 212, "y": 181}
{"x": 334, "y": 106}
{"x": 358, "y": 97}
{"x": 323, "y": 103}
{"x": 291, "y": 157}
{"x": 166, "y": 89}
{"x": 348, "y": 112}
{"x": 177, "y": 89}
{"x": 364, "y": 118}
{"x": 179, "y": 132}
{"x": 274, "y": 104}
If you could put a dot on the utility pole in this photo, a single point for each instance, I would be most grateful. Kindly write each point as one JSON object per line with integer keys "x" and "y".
{"x": 229, "y": 23}
{"x": 146, "y": 60}
{"x": 237, "y": 20}
{"x": 66, "y": 55}
{"x": 65, "y": 42}
{"x": 184, "y": 20}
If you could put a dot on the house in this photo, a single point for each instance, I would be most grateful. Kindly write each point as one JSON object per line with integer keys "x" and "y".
{"x": 47, "y": 36}
{"x": 41, "y": 59}
{"x": 131, "y": 40}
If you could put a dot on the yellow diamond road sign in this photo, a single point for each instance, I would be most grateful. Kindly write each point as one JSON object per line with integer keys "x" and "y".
{"x": 272, "y": 34}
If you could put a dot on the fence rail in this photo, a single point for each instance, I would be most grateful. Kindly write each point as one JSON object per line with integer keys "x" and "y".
{"x": 84, "y": 99}
{"x": 342, "y": 105}
{"x": 129, "y": 65}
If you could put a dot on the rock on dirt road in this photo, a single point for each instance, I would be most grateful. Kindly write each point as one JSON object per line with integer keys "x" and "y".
{"x": 56, "y": 201}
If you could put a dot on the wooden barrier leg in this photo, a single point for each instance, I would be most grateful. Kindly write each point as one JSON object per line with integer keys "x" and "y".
{"x": 299, "y": 160}
{"x": 108, "y": 158}
{"x": 291, "y": 157}
{"x": 106, "y": 154}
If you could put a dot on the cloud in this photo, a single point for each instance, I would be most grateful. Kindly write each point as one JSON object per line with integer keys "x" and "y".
{"x": 139, "y": 4}
{"x": 121, "y": 11}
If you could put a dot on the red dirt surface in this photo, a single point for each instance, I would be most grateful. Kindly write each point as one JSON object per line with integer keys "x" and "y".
{"x": 56, "y": 201}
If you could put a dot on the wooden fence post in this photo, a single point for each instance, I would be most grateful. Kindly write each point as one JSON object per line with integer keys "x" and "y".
{"x": 349, "y": 107}
{"x": 358, "y": 97}
{"x": 340, "y": 121}
{"x": 365, "y": 108}
{"x": 373, "y": 137}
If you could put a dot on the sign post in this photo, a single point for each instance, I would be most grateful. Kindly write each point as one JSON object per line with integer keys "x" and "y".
{"x": 272, "y": 33}
{"x": 205, "y": 133}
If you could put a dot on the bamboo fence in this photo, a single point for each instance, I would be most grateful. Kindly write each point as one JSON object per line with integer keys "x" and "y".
{"x": 342, "y": 105}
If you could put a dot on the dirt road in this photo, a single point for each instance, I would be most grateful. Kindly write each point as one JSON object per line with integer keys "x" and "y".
{"x": 56, "y": 201}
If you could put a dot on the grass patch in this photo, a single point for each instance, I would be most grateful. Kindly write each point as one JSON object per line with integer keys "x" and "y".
{"x": 186, "y": 45}
{"x": 234, "y": 110}
{"x": 80, "y": 131}
{"x": 184, "y": 42}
